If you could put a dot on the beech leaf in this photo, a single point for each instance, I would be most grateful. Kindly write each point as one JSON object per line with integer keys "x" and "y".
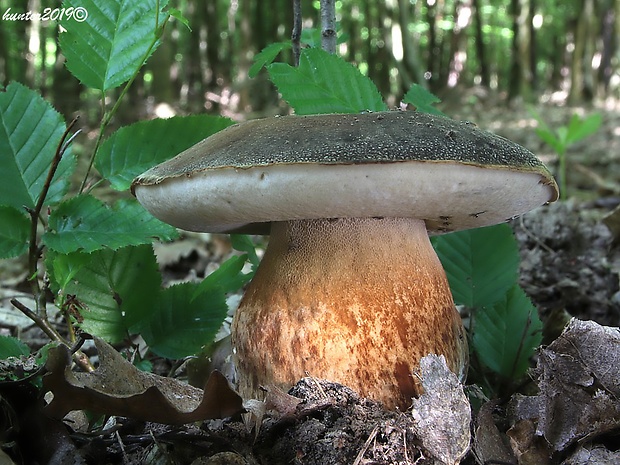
{"x": 116, "y": 387}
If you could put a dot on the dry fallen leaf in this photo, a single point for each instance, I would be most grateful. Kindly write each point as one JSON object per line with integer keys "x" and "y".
{"x": 490, "y": 445}
{"x": 442, "y": 413}
{"x": 119, "y": 388}
{"x": 579, "y": 384}
{"x": 579, "y": 388}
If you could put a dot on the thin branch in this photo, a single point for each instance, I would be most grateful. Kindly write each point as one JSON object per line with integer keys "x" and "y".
{"x": 328, "y": 25}
{"x": 296, "y": 34}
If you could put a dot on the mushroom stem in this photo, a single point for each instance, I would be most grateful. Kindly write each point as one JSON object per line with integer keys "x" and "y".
{"x": 357, "y": 301}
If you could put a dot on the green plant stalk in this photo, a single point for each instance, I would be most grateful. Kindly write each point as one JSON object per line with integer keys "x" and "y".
{"x": 159, "y": 29}
{"x": 34, "y": 249}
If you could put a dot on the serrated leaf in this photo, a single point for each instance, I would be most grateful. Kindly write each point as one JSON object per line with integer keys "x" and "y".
{"x": 181, "y": 323}
{"x": 87, "y": 224}
{"x": 133, "y": 149}
{"x": 30, "y": 131}
{"x": 266, "y": 57}
{"x": 14, "y": 231}
{"x": 481, "y": 264}
{"x": 506, "y": 334}
{"x": 107, "y": 48}
{"x": 62, "y": 268}
{"x": 116, "y": 289}
{"x": 12, "y": 347}
{"x": 325, "y": 83}
{"x": 422, "y": 100}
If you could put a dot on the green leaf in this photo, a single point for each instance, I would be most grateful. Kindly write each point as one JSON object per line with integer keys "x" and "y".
{"x": 481, "y": 264}
{"x": 182, "y": 322}
{"x": 579, "y": 128}
{"x": 62, "y": 268}
{"x": 30, "y": 131}
{"x": 87, "y": 224}
{"x": 325, "y": 83}
{"x": 133, "y": 149}
{"x": 107, "y": 48}
{"x": 422, "y": 100}
{"x": 12, "y": 347}
{"x": 228, "y": 277}
{"x": 14, "y": 232}
{"x": 506, "y": 334}
{"x": 243, "y": 243}
{"x": 178, "y": 15}
{"x": 117, "y": 289}
{"x": 266, "y": 57}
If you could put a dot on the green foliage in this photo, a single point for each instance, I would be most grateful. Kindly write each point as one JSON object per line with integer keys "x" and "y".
{"x": 482, "y": 267}
{"x": 30, "y": 131}
{"x": 115, "y": 289}
{"x": 87, "y": 224}
{"x": 422, "y": 100}
{"x": 133, "y": 149}
{"x": 325, "y": 83}
{"x": 563, "y": 137}
{"x": 13, "y": 232}
{"x": 12, "y": 347}
{"x": 103, "y": 51}
{"x": 98, "y": 255}
{"x": 183, "y": 321}
{"x": 506, "y": 333}
{"x": 481, "y": 264}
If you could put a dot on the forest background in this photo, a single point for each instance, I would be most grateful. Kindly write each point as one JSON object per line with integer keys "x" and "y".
{"x": 517, "y": 50}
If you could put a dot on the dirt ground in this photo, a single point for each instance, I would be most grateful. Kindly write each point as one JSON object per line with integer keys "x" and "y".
{"x": 570, "y": 267}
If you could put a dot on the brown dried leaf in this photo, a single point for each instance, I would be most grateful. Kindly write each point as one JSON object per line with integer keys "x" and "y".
{"x": 442, "y": 413}
{"x": 119, "y": 388}
{"x": 593, "y": 456}
{"x": 490, "y": 445}
{"x": 579, "y": 384}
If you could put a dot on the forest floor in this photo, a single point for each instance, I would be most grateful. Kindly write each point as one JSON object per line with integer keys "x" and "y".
{"x": 570, "y": 267}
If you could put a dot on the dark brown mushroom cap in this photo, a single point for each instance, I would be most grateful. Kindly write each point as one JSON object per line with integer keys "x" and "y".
{"x": 347, "y": 165}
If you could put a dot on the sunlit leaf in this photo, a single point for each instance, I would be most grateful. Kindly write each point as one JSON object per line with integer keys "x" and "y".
{"x": 133, "y": 149}
{"x": 30, "y": 131}
{"x": 105, "y": 50}
{"x": 422, "y": 99}
{"x": 228, "y": 277}
{"x": 325, "y": 83}
{"x": 266, "y": 57}
{"x": 87, "y": 224}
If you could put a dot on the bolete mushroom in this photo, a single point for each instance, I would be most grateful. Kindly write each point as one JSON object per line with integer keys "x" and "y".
{"x": 350, "y": 288}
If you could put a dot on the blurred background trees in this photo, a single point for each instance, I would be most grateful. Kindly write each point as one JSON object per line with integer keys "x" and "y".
{"x": 515, "y": 49}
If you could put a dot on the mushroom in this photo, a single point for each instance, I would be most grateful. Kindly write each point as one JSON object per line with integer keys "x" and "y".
{"x": 350, "y": 288}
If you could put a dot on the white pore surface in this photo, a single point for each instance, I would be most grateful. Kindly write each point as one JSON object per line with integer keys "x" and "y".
{"x": 448, "y": 196}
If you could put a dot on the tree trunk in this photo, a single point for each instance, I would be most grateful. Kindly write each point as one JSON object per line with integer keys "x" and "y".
{"x": 458, "y": 42}
{"x": 485, "y": 75}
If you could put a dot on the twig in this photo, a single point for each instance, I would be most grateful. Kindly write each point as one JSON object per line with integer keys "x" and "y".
{"x": 296, "y": 34}
{"x": 366, "y": 445}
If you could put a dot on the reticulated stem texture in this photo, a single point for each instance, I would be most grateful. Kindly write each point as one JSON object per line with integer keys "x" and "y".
{"x": 355, "y": 301}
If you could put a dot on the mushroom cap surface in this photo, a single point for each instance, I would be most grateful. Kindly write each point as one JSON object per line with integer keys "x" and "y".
{"x": 388, "y": 164}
